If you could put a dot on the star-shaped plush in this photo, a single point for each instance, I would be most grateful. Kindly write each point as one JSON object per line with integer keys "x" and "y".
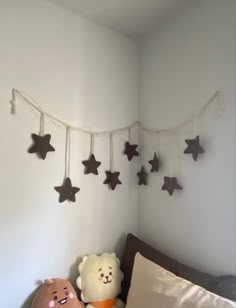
{"x": 170, "y": 184}
{"x": 41, "y": 145}
{"x": 91, "y": 165}
{"x": 130, "y": 150}
{"x": 194, "y": 147}
{"x": 67, "y": 191}
{"x": 142, "y": 174}
{"x": 112, "y": 179}
{"x": 154, "y": 163}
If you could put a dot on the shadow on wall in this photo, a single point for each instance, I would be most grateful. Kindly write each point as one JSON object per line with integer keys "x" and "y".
{"x": 120, "y": 245}
{"x": 73, "y": 274}
{"x": 27, "y": 303}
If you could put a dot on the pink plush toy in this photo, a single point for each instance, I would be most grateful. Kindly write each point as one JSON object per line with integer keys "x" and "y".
{"x": 56, "y": 293}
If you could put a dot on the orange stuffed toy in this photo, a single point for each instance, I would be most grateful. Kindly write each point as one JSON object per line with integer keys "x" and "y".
{"x": 56, "y": 293}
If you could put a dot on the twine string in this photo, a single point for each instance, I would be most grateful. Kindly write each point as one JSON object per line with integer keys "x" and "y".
{"x": 171, "y": 160}
{"x": 129, "y": 135}
{"x": 171, "y": 167}
{"x": 179, "y": 153}
{"x": 33, "y": 103}
{"x": 111, "y": 153}
{"x": 13, "y": 102}
{"x": 41, "y": 130}
{"x": 221, "y": 104}
{"x": 141, "y": 145}
{"x": 194, "y": 127}
{"x": 67, "y": 153}
{"x": 159, "y": 143}
{"x": 91, "y": 144}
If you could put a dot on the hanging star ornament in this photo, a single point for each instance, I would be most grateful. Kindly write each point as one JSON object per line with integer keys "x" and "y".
{"x": 112, "y": 179}
{"x": 41, "y": 145}
{"x": 194, "y": 147}
{"x": 131, "y": 150}
{"x": 67, "y": 191}
{"x": 91, "y": 165}
{"x": 142, "y": 175}
{"x": 170, "y": 184}
{"x": 155, "y": 163}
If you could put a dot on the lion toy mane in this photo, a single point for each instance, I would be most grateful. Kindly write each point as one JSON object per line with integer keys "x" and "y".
{"x": 100, "y": 281}
{"x": 55, "y": 293}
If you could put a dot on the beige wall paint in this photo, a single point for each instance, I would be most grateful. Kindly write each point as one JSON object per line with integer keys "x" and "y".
{"x": 183, "y": 63}
{"x": 88, "y": 76}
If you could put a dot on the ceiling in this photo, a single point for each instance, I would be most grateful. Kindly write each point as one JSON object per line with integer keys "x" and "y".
{"x": 130, "y": 17}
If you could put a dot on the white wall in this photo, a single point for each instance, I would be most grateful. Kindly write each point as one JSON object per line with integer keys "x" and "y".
{"x": 183, "y": 63}
{"x": 88, "y": 76}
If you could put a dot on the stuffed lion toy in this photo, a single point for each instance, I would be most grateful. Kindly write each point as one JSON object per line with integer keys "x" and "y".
{"x": 100, "y": 281}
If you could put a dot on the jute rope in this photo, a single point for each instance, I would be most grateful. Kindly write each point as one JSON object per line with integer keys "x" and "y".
{"x": 33, "y": 104}
{"x": 67, "y": 153}
{"x": 111, "y": 152}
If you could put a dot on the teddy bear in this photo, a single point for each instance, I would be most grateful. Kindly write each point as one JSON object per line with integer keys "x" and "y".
{"x": 100, "y": 281}
{"x": 54, "y": 293}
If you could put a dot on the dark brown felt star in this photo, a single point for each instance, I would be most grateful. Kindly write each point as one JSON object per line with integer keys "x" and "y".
{"x": 130, "y": 150}
{"x": 67, "y": 191}
{"x": 142, "y": 174}
{"x": 91, "y": 165}
{"x": 154, "y": 163}
{"x": 41, "y": 145}
{"x": 112, "y": 179}
{"x": 194, "y": 147}
{"x": 170, "y": 184}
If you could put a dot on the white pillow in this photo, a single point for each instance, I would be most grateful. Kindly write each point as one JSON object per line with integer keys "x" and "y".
{"x": 154, "y": 287}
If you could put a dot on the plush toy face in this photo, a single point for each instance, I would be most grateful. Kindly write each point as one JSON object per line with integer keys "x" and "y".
{"x": 100, "y": 278}
{"x": 55, "y": 293}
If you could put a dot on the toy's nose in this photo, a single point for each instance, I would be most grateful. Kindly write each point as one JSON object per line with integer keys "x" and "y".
{"x": 107, "y": 277}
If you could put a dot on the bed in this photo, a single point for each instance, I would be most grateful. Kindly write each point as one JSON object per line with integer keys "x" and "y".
{"x": 219, "y": 288}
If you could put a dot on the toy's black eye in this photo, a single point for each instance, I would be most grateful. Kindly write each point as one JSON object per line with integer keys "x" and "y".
{"x": 110, "y": 273}
{"x": 102, "y": 275}
{"x": 66, "y": 293}
{"x": 55, "y": 298}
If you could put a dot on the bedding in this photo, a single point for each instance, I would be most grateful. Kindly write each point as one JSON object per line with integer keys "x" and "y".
{"x": 134, "y": 245}
{"x": 153, "y": 286}
{"x": 224, "y": 286}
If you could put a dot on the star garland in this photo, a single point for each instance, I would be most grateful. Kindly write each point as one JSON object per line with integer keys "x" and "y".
{"x": 67, "y": 191}
{"x": 155, "y": 163}
{"x": 130, "y": 150}
{"x": 142, "y": 175}
{"x": 91, "y": 164}
{"x": 170, "y": 184}
{"x": 41, "y": 146}
{"x": 112, "y": 177}
{"x": 194, "y": 147}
